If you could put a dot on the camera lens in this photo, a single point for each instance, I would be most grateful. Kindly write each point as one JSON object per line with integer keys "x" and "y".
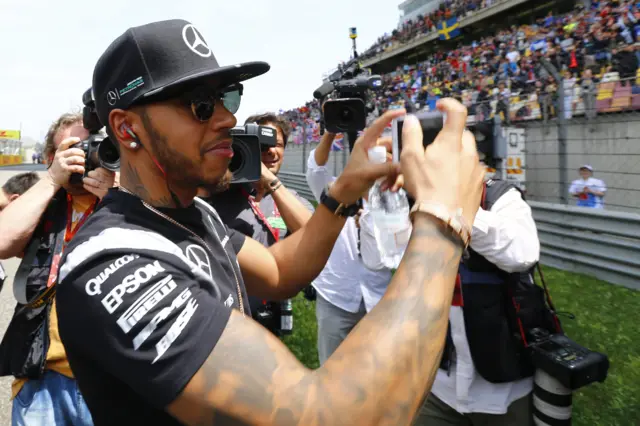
{"x": 108, "y": 155}
{"x": 237, "y": 161}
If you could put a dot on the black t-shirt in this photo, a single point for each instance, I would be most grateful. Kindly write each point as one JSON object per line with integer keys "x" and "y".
{"x": 142, "y": 302}
{"x": 235, "y": 210}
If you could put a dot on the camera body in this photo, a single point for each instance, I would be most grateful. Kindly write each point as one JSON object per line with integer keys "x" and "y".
{"x": 98, "y": 149}
{"x": 249, "y": 142}
{"x": 488, "y": 134}
{"x": 347, "y": 90}
{"x": 571, "y": 364}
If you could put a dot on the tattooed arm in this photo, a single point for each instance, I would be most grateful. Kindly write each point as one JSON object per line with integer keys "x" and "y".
{"x": 379, "y": 375}
{"x": 382, "y": 371}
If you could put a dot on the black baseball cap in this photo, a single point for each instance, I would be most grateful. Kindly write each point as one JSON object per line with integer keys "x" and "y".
{"x": 157, "y": 60}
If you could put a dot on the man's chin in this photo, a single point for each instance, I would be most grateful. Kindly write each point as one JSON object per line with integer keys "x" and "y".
{"x": 219, "y": 185}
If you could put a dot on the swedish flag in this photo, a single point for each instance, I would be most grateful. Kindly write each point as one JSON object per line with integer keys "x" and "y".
{"x": 448, "y": 29}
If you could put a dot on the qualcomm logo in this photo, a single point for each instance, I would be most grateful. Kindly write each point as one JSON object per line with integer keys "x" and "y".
{"x": 195, "y": 42}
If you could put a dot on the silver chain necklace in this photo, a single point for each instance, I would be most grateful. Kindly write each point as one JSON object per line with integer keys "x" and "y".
{"x": 178, "y": 224}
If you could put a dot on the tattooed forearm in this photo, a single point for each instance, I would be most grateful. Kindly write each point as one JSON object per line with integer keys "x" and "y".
{"x": 378, "y": 376}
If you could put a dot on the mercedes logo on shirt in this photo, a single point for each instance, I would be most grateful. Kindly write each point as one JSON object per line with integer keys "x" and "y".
{"x": 197, "y": 255}
{"x": 195, "y": 42}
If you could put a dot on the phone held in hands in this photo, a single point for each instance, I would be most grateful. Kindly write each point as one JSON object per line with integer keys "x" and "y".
{"x": 431, "y": 123}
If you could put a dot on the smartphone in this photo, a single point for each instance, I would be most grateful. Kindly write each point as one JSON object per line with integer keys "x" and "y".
{"x": 431, "y": 122}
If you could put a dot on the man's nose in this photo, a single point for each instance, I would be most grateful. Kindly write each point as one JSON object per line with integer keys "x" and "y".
{"x": 222, "y": 118}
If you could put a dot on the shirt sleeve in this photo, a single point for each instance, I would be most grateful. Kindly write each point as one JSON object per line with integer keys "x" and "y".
{"x": 317, "y": 176}
{"x": 371, "y": 256}
{"x": 147, "y": 320}
{"x": 574, "y": 187}
{"x": 507, "y": 235}
{"x": 237, "y": 239}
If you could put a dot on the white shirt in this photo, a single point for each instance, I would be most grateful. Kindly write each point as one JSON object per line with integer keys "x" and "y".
{"x": 507, "y": 237}
{"x": 345, "y": 280}
{"x": 592, "y": 200}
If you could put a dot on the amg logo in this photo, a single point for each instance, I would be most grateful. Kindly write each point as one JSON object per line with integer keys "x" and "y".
{"x": 130, "y": 284}
{"x": 160, "y": 316}
{"x": 93, "y": 286}
{"x": 145, "y": 303}
{"x": 176, "y": 329}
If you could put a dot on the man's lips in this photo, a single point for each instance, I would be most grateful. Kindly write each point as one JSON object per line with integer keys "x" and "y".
{"x": 222, "y": 149}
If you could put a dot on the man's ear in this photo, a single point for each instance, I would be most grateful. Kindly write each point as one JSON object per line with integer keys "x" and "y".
{"x": 13, "y": 197}
{"x": 123, "y": 127}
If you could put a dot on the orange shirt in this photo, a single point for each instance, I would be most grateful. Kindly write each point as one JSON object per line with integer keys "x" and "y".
{"x": 56, "y": 356}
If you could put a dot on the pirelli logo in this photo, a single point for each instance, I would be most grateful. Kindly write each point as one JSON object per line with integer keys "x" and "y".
{"x": 146, "y": 303}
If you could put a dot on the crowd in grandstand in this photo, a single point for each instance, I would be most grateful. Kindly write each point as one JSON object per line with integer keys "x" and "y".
{"x": 504, "y": 73}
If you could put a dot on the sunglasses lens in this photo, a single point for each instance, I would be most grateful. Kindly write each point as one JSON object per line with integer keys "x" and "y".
{"x": 231, "y": 101}
{"x": 202, "y": 110}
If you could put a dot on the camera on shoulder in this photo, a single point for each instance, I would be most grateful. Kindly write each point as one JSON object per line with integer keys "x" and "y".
{"x": 346, "y": 98}
{"x": 98, "y": 149}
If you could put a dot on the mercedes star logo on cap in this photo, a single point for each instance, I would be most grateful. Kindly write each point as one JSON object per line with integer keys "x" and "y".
{"x": 194, "y": 41}
{"x": 112, "y": 97}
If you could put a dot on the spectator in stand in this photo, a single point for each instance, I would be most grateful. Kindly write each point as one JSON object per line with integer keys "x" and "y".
{"x": 588, "y": 190}
{"x": 575, "y": 42}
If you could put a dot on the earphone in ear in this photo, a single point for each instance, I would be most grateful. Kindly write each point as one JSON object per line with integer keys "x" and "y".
{"x": 135, "y": 143}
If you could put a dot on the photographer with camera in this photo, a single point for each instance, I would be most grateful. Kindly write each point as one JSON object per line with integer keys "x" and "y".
{"x": 346, "y": 289}
{"x": 485, "y": 378}
{"x": 152, "y": 301}
{"x": 266, "y": 211}
{"x": 37, "y": 226}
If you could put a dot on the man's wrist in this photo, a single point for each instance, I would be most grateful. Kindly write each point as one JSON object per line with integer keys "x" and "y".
{"x": 336, "y": 191}
{"x": 51, "y": 181}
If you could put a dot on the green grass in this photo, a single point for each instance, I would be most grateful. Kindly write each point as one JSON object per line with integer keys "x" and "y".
{"x": 606, "y": 321}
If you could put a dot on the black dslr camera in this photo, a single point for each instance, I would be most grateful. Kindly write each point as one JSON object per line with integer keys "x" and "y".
{"x": 249, "y": 142}
{"x": 98, "y": 149}
{"x": 573, "y": 365}
{"x": 348, "y": 105}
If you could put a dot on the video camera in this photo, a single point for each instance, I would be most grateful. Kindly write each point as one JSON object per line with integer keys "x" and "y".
{"x": 348, "y": 105}
{"x": 98, "y": 149}
{"x": 249, "y": 142}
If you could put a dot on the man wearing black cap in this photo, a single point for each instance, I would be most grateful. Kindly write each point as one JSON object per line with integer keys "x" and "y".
{"x": 152, "y": 299}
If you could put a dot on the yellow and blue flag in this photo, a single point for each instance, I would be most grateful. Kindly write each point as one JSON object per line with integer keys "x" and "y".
{"x": 449, "y": 28}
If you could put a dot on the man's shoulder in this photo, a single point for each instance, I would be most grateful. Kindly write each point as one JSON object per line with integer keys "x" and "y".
{"x": 115, "y": 231}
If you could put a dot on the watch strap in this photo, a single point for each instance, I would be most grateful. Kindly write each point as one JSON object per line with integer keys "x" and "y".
{"x": 336, "y": 207}
{"x": 454, "y": 221}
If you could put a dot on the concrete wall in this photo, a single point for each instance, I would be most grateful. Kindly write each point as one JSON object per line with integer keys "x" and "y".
{"x": 611, "y": 144}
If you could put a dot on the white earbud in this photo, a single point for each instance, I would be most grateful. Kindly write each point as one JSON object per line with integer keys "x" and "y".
{"x": 133, "y": 145}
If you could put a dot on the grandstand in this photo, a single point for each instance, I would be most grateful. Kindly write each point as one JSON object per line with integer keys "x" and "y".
{"x": 491, "y": 59}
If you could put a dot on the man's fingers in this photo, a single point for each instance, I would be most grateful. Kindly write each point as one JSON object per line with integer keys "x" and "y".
{"x": 373, "y": 132}
{"x": 376, "y": 171}
{"x": 411, "y": 135}
{"x": 72, "y": 152}
{"x": 65, "y": 144}
{"x": 88, "y": 181}
{"x": 469, "y": 143}
{"x": 386, "y": 141}
{"x": 455, "y": 123}
{"x": 75, "y": 159}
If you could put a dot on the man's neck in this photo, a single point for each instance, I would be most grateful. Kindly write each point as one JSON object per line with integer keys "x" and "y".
{"x": 153, "y": 188}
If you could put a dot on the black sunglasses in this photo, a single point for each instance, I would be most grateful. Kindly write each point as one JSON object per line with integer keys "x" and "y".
{"x": 202, "y": 100}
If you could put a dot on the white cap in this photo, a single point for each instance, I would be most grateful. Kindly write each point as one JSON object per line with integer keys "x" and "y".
{"x": 378, "y": 155}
